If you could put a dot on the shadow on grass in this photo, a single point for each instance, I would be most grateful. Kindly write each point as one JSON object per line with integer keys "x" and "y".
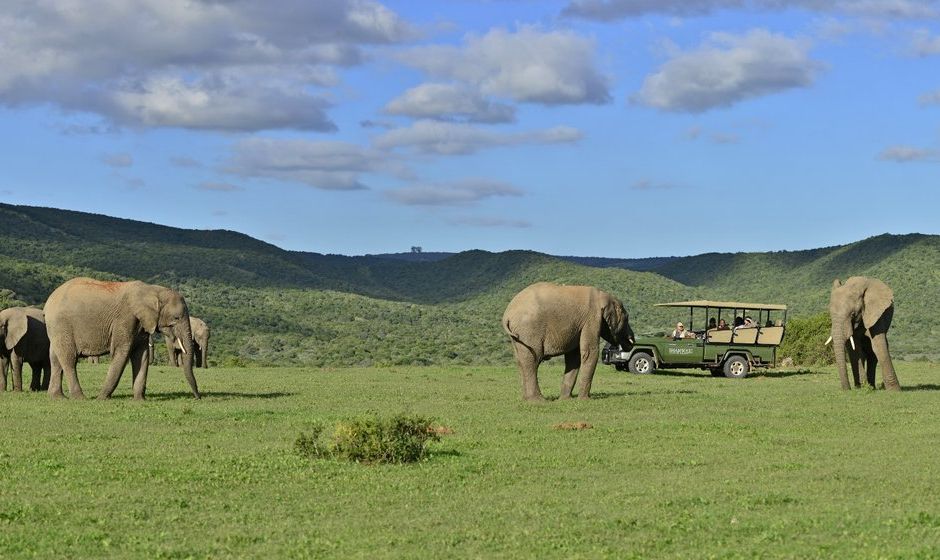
{"x": 776, "y": 374}
{"x": 442, "y": 453}
{"x": 922, "y": 387}
{"x": 215, "y": 395}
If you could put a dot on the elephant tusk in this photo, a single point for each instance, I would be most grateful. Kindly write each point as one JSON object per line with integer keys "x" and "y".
{"x": 852, "y": 342}
{"x": 828, "y": 340}
{"x": 180, "y": 343}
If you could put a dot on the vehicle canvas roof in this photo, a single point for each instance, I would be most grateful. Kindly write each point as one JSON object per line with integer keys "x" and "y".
{"x": 726, "y": 305}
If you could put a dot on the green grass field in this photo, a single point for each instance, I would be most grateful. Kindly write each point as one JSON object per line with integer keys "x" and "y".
{"x": 675, "y": 465}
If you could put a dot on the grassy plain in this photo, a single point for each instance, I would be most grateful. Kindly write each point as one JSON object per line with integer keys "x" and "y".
{"x": 674, "y": 465}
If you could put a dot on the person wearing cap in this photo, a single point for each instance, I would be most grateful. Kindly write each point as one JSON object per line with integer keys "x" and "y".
{"x": 679, "y": 332}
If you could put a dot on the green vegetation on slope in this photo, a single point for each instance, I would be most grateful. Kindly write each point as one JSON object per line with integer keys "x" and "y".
{"x": 270, "y": 306}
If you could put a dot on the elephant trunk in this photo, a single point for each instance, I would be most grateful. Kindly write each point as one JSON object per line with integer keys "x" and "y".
{"x": 839, "y": 335}
{"x": 184, "y": 334}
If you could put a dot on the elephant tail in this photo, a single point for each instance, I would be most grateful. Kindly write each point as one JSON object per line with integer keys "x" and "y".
{"x": 517, "y": 339}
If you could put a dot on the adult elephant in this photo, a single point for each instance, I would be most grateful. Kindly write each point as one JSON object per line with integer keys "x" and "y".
{"x": 23, "y": 338}
{"x": 861, "y": 310}
{"x": 87, "y": 317}
{"x": 546, "y": 320}
{"x": 200, "y": 332}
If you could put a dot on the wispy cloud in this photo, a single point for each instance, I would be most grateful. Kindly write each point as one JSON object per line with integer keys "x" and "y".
{"x": 908, "y": 154}
{"x": 444, "y": 138}
{"x": 118, "y": 160}
{"x": 214, "y": 186}
{"x": 490, "y": 222}
{"x": 461, "y": 193}
{"x": 612, "y": 10}
{"x": 323, "y": 165}
{"x": 647, "y": 185}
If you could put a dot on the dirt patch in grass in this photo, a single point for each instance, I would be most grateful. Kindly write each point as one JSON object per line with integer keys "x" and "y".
{"x": 572, "y": 426}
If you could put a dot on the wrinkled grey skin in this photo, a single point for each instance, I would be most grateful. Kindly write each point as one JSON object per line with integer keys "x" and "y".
{"x": 862, "y": 307}
{"x": 201, "y": 344}
{"x": 23, "y": 338}
{"x": 87, "y": 317}
{"x": 546, "y": 320}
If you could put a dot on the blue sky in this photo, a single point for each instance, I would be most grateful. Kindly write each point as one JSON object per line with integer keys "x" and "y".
{"x": 617, "y": 128}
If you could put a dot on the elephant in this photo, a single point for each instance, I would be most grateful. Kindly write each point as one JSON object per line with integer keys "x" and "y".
{"x": 545, "y": 320}
{"x": 23, "y": 338}
{"x": 201, "y": 333}
{"x": 861, "y": 310}
{"x": 87, "y": 317}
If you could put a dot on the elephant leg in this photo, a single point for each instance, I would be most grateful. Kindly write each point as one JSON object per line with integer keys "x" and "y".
{"x": 588, "y": 365}
{"x": 115, "y": 370}
{"x": 55, "y": 376}
{"x": 17, "y": 363}
{"x": 140, "y": 363}
{"x": 46, "y": 375}
{"x": 855, "y": 359}
{"x": 35, "y": 383}
{"x": 879, "y": 343}
{"x": 204, "y": 355}
{"x": 572, "y": 364}
{"x": 528, "y": 364}
{"x": 69, "y": 365}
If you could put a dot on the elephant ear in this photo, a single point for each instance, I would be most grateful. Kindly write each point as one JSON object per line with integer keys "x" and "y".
{"x": 878, "y": 298}
{"x": 613, "y": 315}
{"x": 146, "y": 307}
{"x": 17, "y": 325}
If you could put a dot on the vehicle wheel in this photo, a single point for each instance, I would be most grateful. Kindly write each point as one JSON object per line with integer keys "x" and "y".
{"x": 736, "y": 367}
{"x": 642, "y": 363}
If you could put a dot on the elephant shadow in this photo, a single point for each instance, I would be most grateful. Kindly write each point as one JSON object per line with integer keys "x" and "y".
{"x": 922, "y": 387}
{"x": 217, "y": 395}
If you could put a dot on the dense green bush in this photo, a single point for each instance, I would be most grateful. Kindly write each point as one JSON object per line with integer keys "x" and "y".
{"x": 397, "y": 440}
{"x": 805, "y": 341}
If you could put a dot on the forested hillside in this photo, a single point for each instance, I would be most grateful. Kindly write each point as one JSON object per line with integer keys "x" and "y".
{"x": 271, "y": 306}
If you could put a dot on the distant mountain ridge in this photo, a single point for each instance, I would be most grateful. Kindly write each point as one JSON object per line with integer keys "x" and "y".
{"x": 270, "y": 305}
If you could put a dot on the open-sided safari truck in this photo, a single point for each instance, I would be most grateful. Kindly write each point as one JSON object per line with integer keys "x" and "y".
{"x": 732, "y": 352}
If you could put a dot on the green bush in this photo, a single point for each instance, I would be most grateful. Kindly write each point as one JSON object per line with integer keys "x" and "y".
{"x": 400, "y": 439}
{"x": 805, "y": 341}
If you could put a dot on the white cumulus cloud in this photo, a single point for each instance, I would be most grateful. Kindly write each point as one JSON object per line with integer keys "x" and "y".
{"x": 450, "y": 101}
{"x": 728, "y": 69}
{"x": 233, "y": 65}
{"x": 528, "y": 65}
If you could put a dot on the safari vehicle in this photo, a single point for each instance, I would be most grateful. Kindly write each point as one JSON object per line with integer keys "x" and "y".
{"x": 733, "y": 352}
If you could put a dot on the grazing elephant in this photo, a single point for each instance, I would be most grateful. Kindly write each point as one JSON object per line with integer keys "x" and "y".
{"x": 87, "y": 317}
{"x": 23, "y": 338}
{"x": 546, "y": 320}
{"x": 861, "y": 310}
{"x": 200, "y": 332}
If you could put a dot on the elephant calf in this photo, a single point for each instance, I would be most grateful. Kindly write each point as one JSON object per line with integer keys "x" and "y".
{"x": 546, "y": 320}
{"x": 23, "y": 338}
{"x": 200, "y": 332}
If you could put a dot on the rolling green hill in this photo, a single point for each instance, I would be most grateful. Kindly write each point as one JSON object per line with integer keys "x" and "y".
{"x": 271, "y": 306}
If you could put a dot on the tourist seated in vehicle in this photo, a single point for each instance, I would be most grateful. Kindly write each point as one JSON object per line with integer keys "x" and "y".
{"x": 711, "y": 324}
{"x": 738, "y": 321}
{"x": 680, "y": 332}
{"x": 723, "y": 325}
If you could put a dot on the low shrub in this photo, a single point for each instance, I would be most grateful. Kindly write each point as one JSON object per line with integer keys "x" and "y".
{"x": 805, "y": 341}
{"x": 397, "y": 440}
